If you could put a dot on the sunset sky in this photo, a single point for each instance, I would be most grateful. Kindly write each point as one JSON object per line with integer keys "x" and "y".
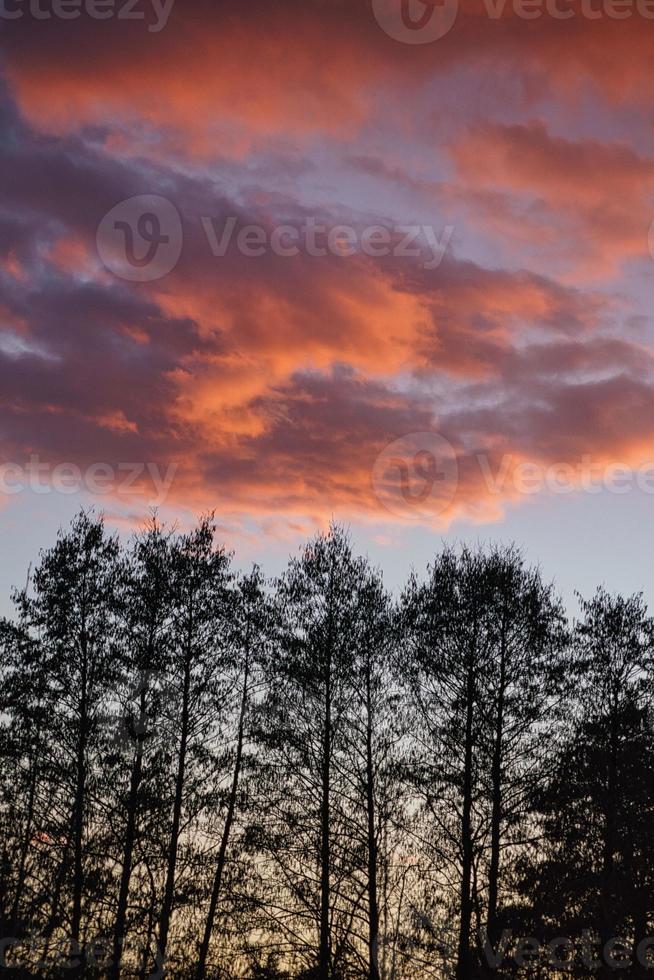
{"x": 284, "y": 389}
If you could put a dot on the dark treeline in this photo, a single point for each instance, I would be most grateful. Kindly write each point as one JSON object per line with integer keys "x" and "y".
{"x": 209, "y": 775}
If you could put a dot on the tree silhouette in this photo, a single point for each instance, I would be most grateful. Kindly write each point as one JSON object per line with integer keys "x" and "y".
{"x": 207, "y": 774}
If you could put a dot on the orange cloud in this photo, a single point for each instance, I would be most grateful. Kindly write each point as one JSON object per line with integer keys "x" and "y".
{"x": 272, "y": 384}
{"x": 594, "y": 199}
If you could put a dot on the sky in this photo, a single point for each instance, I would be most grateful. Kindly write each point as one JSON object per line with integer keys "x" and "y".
{"x": 379, "y": 261}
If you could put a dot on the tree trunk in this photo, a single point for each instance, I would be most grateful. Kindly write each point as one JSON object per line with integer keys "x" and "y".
{"x": 373, "y": 908}
{"x": 231, "y": 808}
{"x": 607, "y": 925}
{"x": 464, "y": 958}
{"x": 324, "y": 955}
{"x": 128, "y": 850}
{"x": 25, "y": 844}
{"x": 149, "y": 933}
{"x": 398, "y": 920}
{"x": 640, "y": 931}
{"x": 78, "y": 810}
{"x": 496, "y": 816}
{"x": 169, "y": 891}
{"x": 55, "y": 903}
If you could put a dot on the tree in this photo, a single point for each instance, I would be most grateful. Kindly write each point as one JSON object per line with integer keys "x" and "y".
{"x": 310, "y": 691}
{"x": 26, "y": 704}
{"x": 591, "y": 872}
{"x": 527, "y": 677}
{"x": 309, "y": 781}
{"x": 197, "y": 684}
{"x": 147, "y": 595}
{"x": 250, "y": 629}
{"x": 448, "y": 629}
{"x": 373, "y": 735}
{"x": 73, "y": 612}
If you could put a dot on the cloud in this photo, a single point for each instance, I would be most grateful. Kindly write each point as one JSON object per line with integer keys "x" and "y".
{"x": 241, "y": 74}
{"x": 273, "y": 383}
{"x": 593, "y": 198}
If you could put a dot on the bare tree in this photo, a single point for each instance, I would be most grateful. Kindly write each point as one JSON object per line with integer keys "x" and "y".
{"x": 200, "y": 609}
